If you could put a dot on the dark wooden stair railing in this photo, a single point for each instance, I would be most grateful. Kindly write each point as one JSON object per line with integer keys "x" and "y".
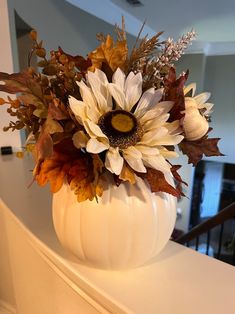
{"x": 205, "y": 227}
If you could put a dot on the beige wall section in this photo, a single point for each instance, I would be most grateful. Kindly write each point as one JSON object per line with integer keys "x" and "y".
{"x": 6, "y": 65}
{"x": 220, "y": 81}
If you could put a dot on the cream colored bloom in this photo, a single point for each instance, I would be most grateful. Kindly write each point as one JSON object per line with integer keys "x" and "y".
{"x": 199, "y": 101}
{"x": 124, "y": 123}
{"x": 195, "y": 123}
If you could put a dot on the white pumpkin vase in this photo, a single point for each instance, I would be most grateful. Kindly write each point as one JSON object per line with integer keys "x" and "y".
{"x": 127, "y": 227}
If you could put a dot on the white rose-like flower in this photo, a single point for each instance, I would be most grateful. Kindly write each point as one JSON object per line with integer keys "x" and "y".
{"x": 133, "y": 127}
{"x": 195, "y": 124}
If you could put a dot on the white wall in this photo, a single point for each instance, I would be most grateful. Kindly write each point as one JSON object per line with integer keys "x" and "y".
{"x": 58, "y": 23}
{"x": 220, "y": 81}
{"x": 196, "y": 65}
{"x": 214, "y": 74}
{"x": 6, "y": 65}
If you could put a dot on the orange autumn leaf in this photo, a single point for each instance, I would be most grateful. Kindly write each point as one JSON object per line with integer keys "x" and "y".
{"x": 54, "y": 171}
{"x": 81, "y": 171}
{"x": 86, "y": 182}
{"x": 83, "y": 189}
{"x": 2, "y": 101}
{"x": 113, "y": 54}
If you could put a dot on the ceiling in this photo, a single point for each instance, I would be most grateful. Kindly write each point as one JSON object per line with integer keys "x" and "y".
{"x": 213, "y": 20}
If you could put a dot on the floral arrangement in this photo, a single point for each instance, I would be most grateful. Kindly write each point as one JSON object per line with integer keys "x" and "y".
{"x": 119, "y": 111}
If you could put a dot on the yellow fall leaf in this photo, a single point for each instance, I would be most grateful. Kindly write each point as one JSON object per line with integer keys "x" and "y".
{"x": 127, "y": 174}
{"x": 114, "y": 54}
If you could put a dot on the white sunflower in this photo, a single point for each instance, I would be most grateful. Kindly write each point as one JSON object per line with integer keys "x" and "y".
{"x": 124, "y": 123}
{"x": 197, "y": 110}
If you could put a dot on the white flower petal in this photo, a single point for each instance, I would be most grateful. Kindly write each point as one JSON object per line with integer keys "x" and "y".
{"x": 132, "y": 152}
{"x": 156, "y": 98}
{"x": 144, "y": 102}
{"x": 148, "y": 101}
{"x": 103, "y": 89}
{"x": 168, "y": 153}
{"x": 133, "y": 90}
{"x": 192, "y": 87}
{"x": 95, "y": 147}
{"x": 157, "y": 162}
{"x": 119, "y": 78}
{"x": 101, "y": 75}
{"x": 114, "y": 161}
{"x": 173, "y": 127}
{"x": 87, "y": 94}
{"x": 78, "y": 108}
{"x": 99, "y": 91}
{"x": 118, "y": 95}
{"x": 160, "y": 109}
{"x": 93, "y": 114}
{"x": 93, "y": 129}
{"x": 202, "y": 98}
{"x": 147, "y": 150}
{"x": 80, "y": 139}
{"x": 130, "y": 76}
{"x": 169, "y": 140}
{"x": 208, "y": 106}
{"x": 134, "y": 158}
{"x": 155, "y": 123}
{"x": 152, "y": 137}
{"x": 165, "y": 106}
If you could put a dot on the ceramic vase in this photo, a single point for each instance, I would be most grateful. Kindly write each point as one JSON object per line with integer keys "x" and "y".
{"x": 128, "y": 226}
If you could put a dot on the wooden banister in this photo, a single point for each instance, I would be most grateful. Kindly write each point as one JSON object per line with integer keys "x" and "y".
{"x": 225, "y": 214}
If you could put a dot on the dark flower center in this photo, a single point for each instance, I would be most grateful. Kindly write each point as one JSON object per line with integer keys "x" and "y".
{"x": 121, "y": 127}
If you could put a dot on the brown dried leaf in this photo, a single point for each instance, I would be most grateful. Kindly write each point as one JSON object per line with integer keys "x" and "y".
{"x": 52, "y": 126}
{"x": 41, "y": 52}
{"x": 41, "y": 111}
{"x": 44, "y": 146}
{"x": 23, "y": 83}
{"x": 81, "y": 63}
{"x": 176, "y": 175}
{"x": 42, "y": 63}
{"x": 174, "y": 91}
{"x": 13, "y": 83}
{"x": 57, "y": 112}
{"x": 30, "y": 99}
{"x": 196, "y": 149}
{"x": 158, "y": 183}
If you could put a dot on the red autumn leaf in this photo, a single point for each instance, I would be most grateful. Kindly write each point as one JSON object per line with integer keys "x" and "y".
{"x": 158, "y": 183}
{"x": 81, "y": 63}
{"x": 175, "y": 92}
{"x": 196, "y": 149}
